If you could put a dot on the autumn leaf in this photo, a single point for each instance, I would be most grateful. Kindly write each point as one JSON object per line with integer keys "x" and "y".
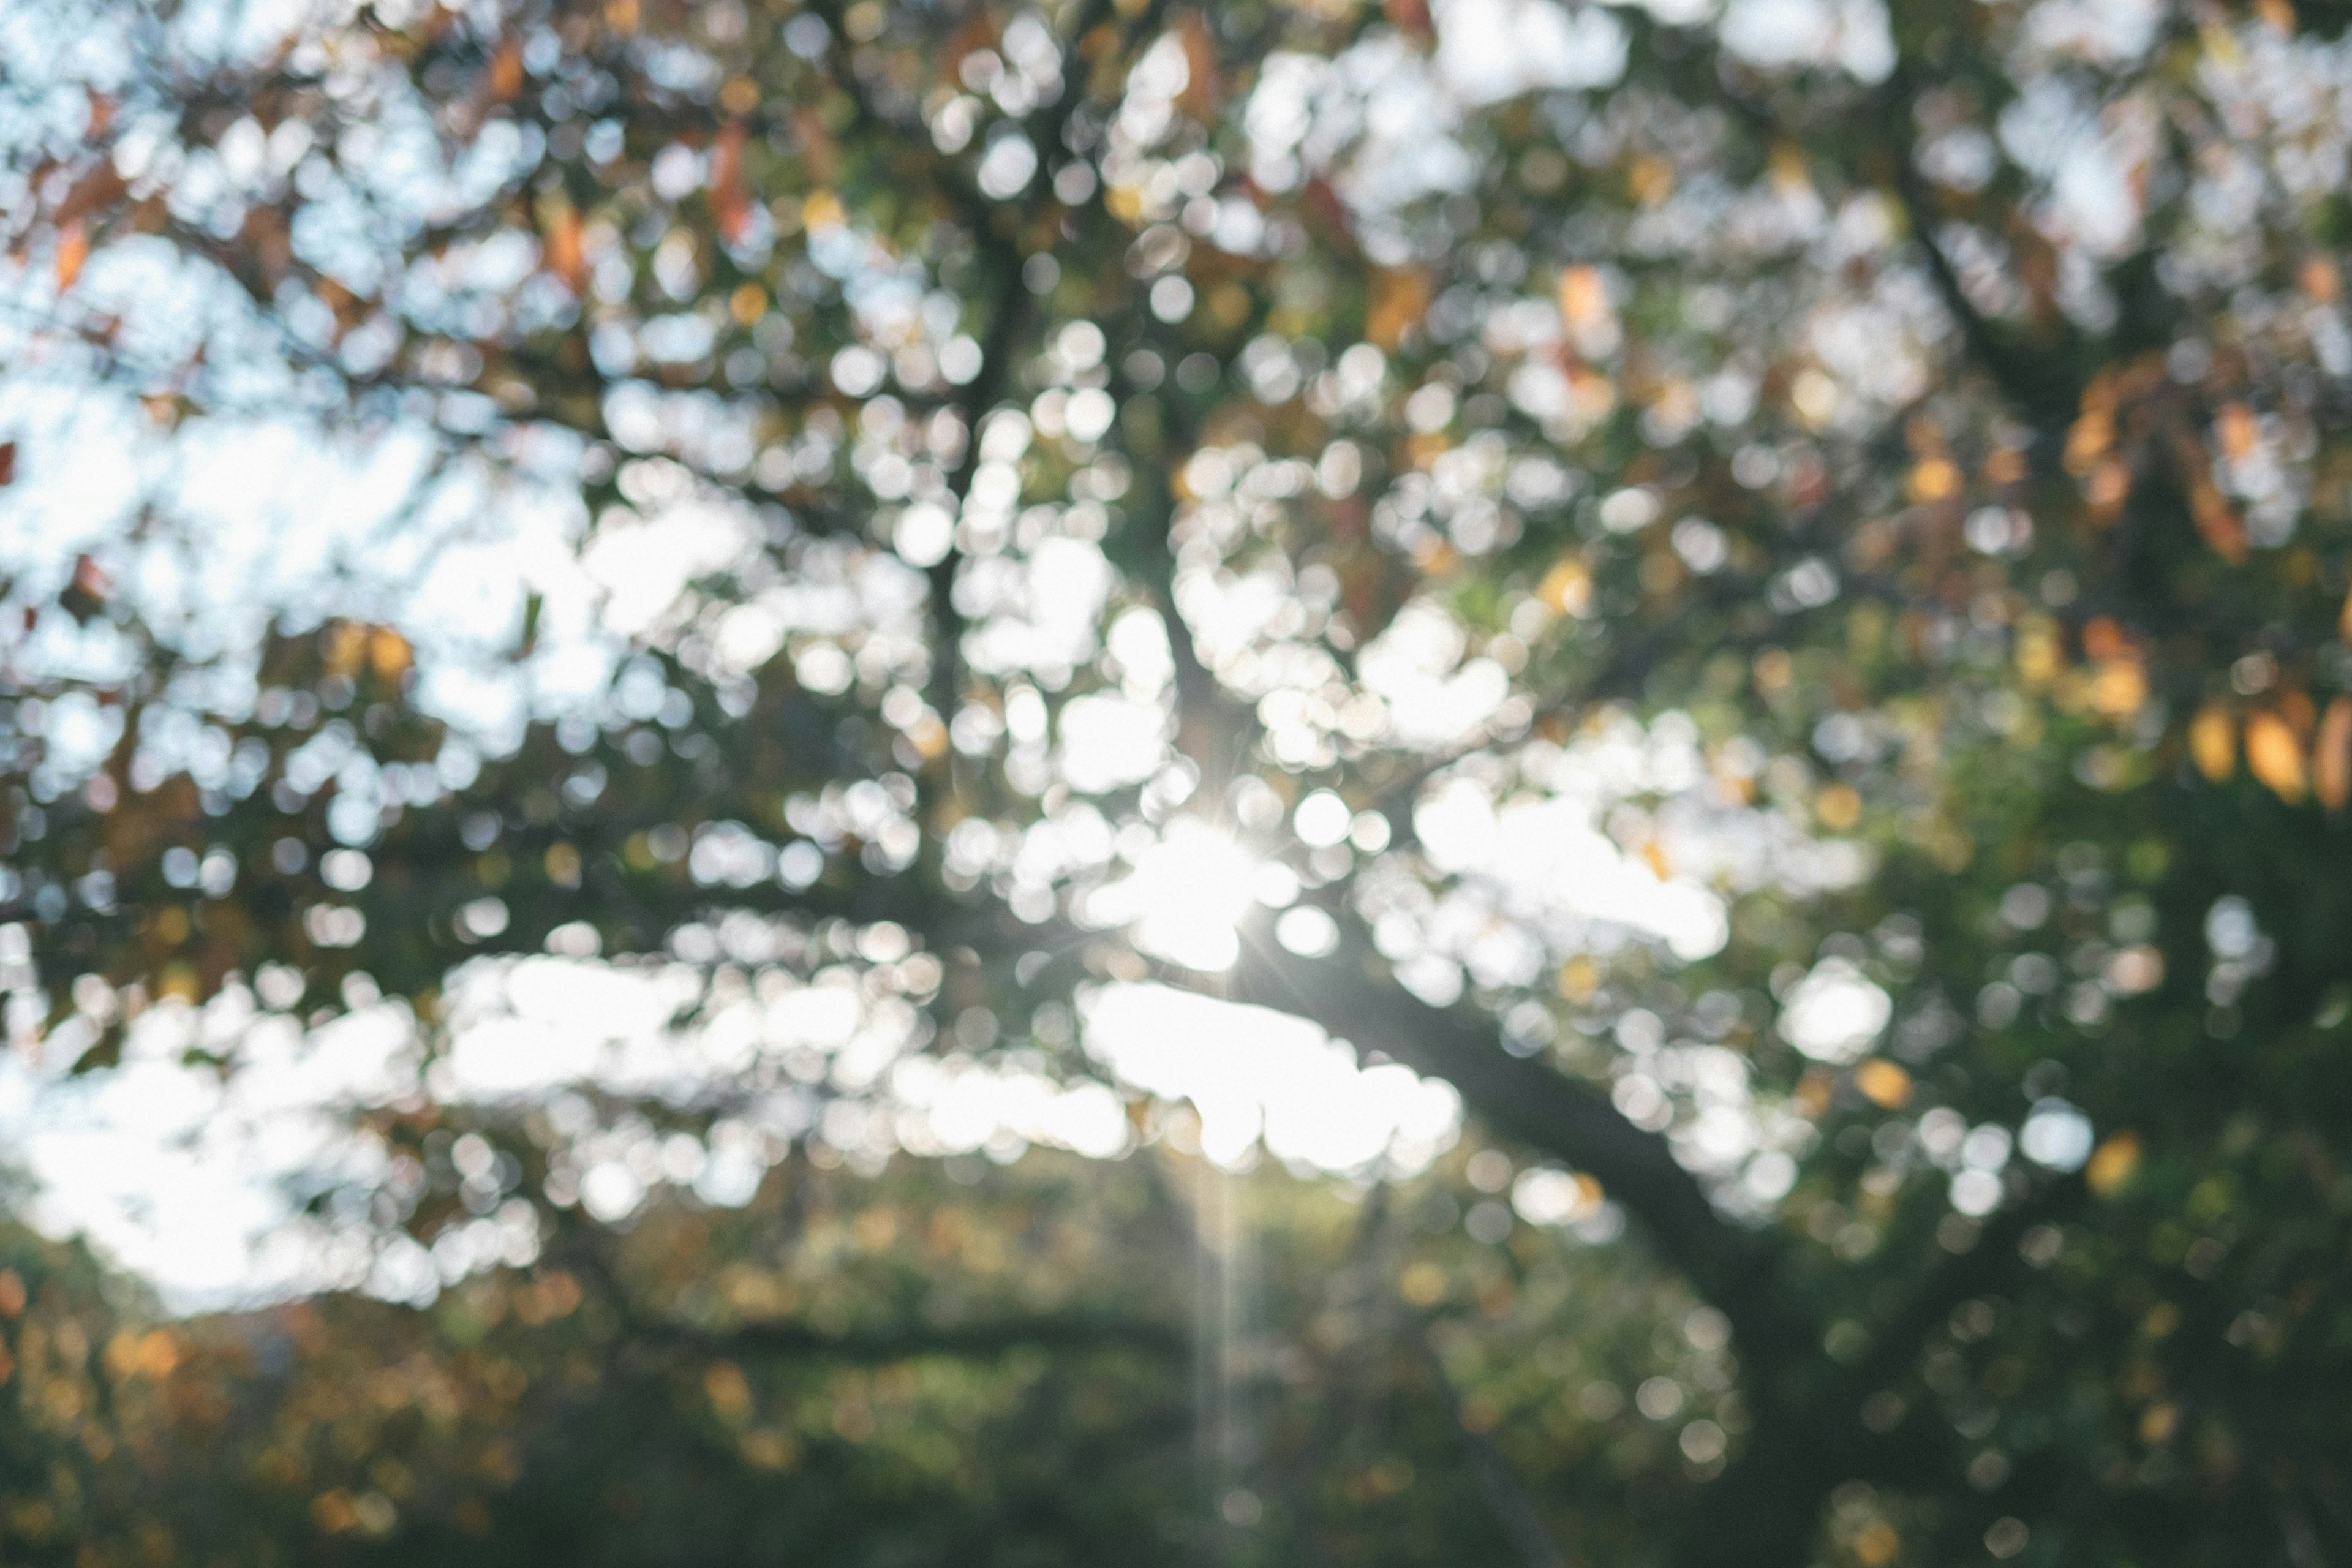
{"x": 2275, "y": 756}
{"x": 2331, "y": 756}
{"x": 388, "y": 653}
{"x": 1400, "y": 298}
{"x": 2213, "y": 743}
{"x": 1409, "y": 16}
{"x": 566, "y": 257}
{"x": 2238, "y": 431}
{"x": 73, "y": 251}
{"x": 2217, "y": 520}
{"x": 506, "y": 71}
{"x": 95, "y": 192}
{"x": 1884, "y": 1084}
{"x": 819, "y": 151}
{"x": 345, "y": 647}
{"x": 2112, "y": 1166}
{"x": 1583, "y": 298}
{"x": 1200, "y": 97}
{"x": 86, "y": 593}
{"x": 728, "y": 204}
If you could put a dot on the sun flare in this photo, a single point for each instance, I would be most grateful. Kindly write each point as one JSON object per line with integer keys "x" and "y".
{"x": 1190, "y": 892}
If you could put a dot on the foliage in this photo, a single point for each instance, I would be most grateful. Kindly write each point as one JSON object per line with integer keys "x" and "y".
{"x": 1765, "y": 593}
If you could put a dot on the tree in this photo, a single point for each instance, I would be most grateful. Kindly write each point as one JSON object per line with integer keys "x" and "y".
{"x": 1770, "y": 587}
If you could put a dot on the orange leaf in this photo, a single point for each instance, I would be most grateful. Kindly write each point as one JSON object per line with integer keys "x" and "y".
{"x": 1200, "y": 97}
{"x": 2217, "y": 521}
{"x": 565, "y": 257}
{"x": 1583, "y": 298}
{"x": 2237, "y": 430}
{"x": 2275, "y": 757}
{"x": 2301, "y": 713}
{"x": 73, "y": 250}
{"x": 506, "y": 71}
{"x": 2104, "y": 638}
{"x": 2331, "y": 758}
{"x": 729, "y": 204}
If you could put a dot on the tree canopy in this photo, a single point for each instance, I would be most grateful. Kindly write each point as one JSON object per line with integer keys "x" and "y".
{"x": 1274, "y": 783}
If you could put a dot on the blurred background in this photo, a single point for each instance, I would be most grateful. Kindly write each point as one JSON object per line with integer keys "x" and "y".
{"x": 1461, "y": 780}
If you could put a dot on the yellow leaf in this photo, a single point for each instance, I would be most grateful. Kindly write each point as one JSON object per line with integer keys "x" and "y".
{"x": 389, "y": 652}
{"x": 2213, "y": 743}
{"x": 346, "y": 645}
{"x": 2331, "y": 758}
{"x": 1423, "y": 1284}
{"x": 1789, "y": 174}
{"x": 1580, "y": 977}
{"x": 741, "y": 96}
{"x": 1399, "y": 299}
{"x": 1884, "y": 1084}
{"x": 2119, "y": 688}
{"x": 1583, "y": 298}
{"x": 2039, "y": 653}
{"x": 2112, "y": 1164}
{"x": 1568, "y": 587}
{"x": 1934, "y": 479}
{"x": 730, "y": 1391}
{"x": 2275, "y": 757}
{"x": 822, "y": 211}
{"x": 1651, "y": 179}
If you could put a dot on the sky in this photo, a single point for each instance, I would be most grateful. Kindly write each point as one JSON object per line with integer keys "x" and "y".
{"x": 195, "y": 1182}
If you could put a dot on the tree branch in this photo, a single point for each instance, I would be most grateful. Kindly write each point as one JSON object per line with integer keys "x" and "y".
{"x": 1763, "y": 1511}
{"x": 1525, "y": 1099}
